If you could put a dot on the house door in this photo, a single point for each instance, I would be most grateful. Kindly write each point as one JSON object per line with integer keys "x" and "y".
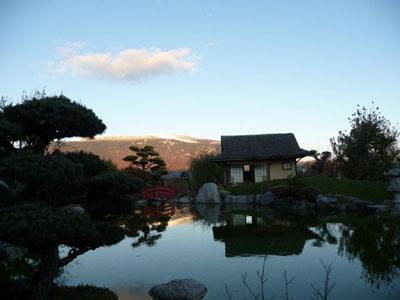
{"x": 248, "y": 173}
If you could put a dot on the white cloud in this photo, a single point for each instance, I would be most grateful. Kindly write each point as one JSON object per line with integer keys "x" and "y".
{"x": 129, "y": 64}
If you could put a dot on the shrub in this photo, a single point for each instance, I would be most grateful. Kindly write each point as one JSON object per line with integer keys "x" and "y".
{"x": 107, "y": 193}
{"x": 204, "y": 170}
{"x": 92, "y": 164}
{"x": 180, "y": 184}
{"x": 49, "y": 178}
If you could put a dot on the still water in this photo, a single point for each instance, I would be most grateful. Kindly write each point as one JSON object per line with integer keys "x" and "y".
{"x": 217, "y": 245}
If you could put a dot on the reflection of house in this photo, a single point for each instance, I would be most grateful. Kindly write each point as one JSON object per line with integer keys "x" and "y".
{"x": 251, "y": 235}
{"x": 258, "y": 158}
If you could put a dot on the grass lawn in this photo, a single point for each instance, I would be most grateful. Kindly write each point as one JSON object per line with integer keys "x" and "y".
{"x": 374, "y": 191}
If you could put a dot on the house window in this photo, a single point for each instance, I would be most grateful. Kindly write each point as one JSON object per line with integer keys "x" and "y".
{"x": 236, "y": 174}
{"x": 260, "y": 173}
{"x": 287, "y": 165}
{"x": 249, "y": 220}
{"x": 246, "y": 168}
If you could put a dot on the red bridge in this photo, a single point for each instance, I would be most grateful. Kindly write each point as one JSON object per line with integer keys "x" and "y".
{"x": 159, "y": 193}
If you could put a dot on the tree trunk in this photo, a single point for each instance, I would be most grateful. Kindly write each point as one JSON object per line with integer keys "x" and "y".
{"x": 47, "y": 272}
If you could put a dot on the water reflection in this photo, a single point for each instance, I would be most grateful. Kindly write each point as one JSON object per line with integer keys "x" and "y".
{"x": 247, "y": 233}
{"x": 259, "y": 231}
{"x": 376, "y": 244}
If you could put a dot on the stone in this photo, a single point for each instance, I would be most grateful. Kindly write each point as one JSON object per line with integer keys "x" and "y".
{"x": 184, "y": 200}
{"x": 75, "y": 208}
{"x": 209, "y": 213}
{"x": 11, "y": 252}
{"x": 266, "y": 198}
{"x": 394, "y": 182}
{"x": 208, "y": 193}
{"x": 357, "y": 206}
{"x": 377, "y": 208}
{"x": 326, "y": 199}
{"x": 3, "y": 184}
{"x": 299, "y": 205}
{"x": 179, "y": 289}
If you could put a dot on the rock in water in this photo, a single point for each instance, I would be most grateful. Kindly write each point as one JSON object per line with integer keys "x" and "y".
{"x": 208, "y": 193}
{"x": 179, "y": 289}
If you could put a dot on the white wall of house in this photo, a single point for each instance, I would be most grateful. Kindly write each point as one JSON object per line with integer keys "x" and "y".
{"x": 277, "y": 171}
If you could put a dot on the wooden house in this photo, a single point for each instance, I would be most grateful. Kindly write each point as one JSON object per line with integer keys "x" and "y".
{"x": 258, "y": 158}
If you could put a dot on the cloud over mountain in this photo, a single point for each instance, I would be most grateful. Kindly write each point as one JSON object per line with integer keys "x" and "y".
{"x": 127, "y": 65}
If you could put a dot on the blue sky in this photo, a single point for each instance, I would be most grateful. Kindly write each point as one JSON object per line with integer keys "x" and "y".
{"x": 207, "y": 68}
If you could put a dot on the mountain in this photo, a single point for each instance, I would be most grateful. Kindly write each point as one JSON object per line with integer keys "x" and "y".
{"x": 176, "y": 150}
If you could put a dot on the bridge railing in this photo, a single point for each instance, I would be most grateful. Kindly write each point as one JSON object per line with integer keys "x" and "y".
{"x": 159, "y": 192}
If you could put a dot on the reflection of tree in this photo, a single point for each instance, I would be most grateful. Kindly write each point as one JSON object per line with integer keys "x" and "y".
{"x": 145, "y": 228}
{"x": 325, "y": 236}
{"x": 375, "y": 243}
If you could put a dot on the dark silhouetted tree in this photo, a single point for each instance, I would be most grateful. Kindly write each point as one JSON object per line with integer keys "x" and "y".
{"x": 147, "y": 160}
{"x": 370, "y": 146}
{"x": 41, "y": 119}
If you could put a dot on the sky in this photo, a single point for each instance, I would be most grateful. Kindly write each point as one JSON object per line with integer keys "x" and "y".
{"x": 208, "y": 68}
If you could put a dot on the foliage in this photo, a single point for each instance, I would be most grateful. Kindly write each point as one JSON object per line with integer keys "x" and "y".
{"x": 370, "y": 146}
{"x": 179, "y": 184}
{"x": 323, "y": 164}
{"x": 42, "y": 119}
{"x": 82, "y": 292}
{"x": 9, "y": 133}
{"x": 7, "y": 196}
{"x": 107, "y": 193}
{"x": 50, "y": 178}
{"x": 148, "y": 161}
{"x": 204, "y": 170}
{"x": 39, "y": 227}
{"x": 34, "y": 185}
{"x": 92, "y": 164}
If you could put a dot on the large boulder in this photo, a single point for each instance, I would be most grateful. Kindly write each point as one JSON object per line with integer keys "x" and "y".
{"x": 209, "y": 213}
{"x": 208, "y": 193}
{"x": 326, "y": 200}
{"x": 179, "y": 289}
{"x": 265, "y": 199}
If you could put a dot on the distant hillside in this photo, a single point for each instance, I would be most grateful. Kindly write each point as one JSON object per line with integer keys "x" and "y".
{"x": 177, "y": 151}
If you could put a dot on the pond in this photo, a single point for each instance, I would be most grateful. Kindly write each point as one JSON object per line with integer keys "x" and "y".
{"x": 218, "y": 245}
